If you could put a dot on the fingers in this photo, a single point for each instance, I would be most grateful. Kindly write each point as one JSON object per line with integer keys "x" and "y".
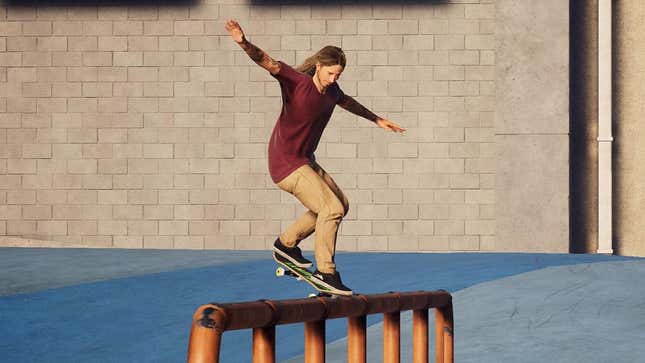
{"x": 391, "y": 126}
{"x": 232, "y": 24}
{"x": 396, "y": 128}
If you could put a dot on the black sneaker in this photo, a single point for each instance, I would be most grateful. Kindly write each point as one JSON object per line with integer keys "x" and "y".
{"x": 283, "y": 253}
{"x": 331, "y": 281}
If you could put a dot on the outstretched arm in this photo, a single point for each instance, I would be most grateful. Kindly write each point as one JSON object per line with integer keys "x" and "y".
{"x": 255, "y": 53}
{"x": 351, "y": 105}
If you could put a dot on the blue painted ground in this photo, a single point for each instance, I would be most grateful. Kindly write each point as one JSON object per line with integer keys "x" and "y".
{"x": 136, "y": 306}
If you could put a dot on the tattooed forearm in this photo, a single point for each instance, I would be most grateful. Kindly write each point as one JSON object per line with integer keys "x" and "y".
{"x": 260, "y": 57}
{"x": 356, "y": 108}
{"x": 254, "y": 52}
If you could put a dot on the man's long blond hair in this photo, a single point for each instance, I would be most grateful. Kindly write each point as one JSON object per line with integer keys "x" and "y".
{"x": 327, "y": 56}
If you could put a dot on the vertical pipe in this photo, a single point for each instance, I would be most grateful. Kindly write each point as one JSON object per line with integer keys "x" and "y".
{"x": 605, "y": 138}
{"x": 444, "y": 330}
{"x": 356, "y": 339}
{"x": 420, "y": 336}
{"x": 204, "y": 344}
{"x": 264, "y": 345}
{"x": 391, "y": 337}
{"x": 315, "y": 341}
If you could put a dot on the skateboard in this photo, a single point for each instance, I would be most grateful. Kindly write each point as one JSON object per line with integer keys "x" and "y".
{"x": 287, "y": 268}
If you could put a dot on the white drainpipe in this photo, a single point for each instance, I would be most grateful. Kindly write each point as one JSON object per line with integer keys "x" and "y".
{"x": 604, "y": 128}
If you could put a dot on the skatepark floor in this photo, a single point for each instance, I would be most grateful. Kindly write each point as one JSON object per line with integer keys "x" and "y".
{"x": 112, "y": 305}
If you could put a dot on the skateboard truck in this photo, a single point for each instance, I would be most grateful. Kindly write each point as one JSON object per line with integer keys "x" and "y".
{"x": 281, "y": 271}
{"x": 286, "y": 268}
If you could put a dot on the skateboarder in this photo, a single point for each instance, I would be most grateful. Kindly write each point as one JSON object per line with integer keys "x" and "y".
{"x": 309, "y": 95}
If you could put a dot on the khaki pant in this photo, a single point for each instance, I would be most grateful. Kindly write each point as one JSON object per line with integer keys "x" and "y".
{"x": 327, "y": 205}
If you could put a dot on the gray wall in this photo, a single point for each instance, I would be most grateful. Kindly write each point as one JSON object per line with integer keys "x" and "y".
{"x": 146, "y": 127}
{"x": 532, "y": 126}
{"x": 629, "y": 130}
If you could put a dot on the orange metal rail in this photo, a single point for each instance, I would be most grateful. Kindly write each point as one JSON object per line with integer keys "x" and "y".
{"x": 212, "y": 320}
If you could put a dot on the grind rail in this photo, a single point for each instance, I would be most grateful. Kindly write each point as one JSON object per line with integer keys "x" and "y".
{"x": 210, "y": 321}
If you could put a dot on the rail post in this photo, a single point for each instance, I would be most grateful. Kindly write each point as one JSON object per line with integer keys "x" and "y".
{"x": 356, "y": 339}
{"x": 205, "y": 335}
{"x": 264, "y": 345}
{"x": 391, "y": 337}
{"x": 315, "y": 341}
{"x": 444, "y": 331}
{"x": 420, "y": 336}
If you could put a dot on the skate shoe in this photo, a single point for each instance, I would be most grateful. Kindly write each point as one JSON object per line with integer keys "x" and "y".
{"x": 331, "y": 281}
{"x": 283, "y": 253}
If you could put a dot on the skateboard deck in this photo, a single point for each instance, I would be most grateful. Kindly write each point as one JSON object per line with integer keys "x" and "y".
{"x": 301, "y": 273}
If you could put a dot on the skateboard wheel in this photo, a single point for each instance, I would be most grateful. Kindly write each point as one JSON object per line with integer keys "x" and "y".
{"x": 280, "y": 271}
{"x": 312, "y": 295}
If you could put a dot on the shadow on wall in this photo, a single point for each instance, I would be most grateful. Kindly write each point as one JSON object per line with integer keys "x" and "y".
{"x": 88, "y": 3}
{"x": 620, "y": 128}
{"x": 348, "y": 2}
{"x": 583, "y": 149}
{"x": 197, "y": 2}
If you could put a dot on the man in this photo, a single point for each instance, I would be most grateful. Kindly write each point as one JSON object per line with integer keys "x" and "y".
{"x": 309, "y": 95}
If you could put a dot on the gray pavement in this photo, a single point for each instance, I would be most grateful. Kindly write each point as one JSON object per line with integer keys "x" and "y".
{"x": 508, "y": 307}
{"x": 26, "y": 270}
{"x": 578, "y": 313}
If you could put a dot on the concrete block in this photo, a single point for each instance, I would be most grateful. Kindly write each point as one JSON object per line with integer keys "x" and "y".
{"x": 127, "y": 242}
{"x": 434, "y": 243}
{"x": 342, "y": 26}
{"x": 405, "y": 242}
{"x": 465, "y": 243}
{"x": 479, "y": 11}
{"x": 158, "y": 242}
{"x": 356, "y": 228}
{"x": 449, "y": 228}
{"x": 85, "y": 197}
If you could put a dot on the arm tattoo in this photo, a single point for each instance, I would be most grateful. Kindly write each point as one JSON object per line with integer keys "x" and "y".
{"x": 356, "y": 108}
{"x": 255, "y": 53}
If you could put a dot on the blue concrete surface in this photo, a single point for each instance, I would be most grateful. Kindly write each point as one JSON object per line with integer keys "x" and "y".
{"x": 32, "y": 269}
{"x": 587, "y": 313}
{"x": 144, "y": 315}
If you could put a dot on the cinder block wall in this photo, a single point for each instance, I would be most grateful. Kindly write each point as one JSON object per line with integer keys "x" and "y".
{"x": 147, "y": 127}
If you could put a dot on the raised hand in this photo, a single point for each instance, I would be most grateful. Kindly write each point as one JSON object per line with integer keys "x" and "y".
{"x": 234, "y": 28}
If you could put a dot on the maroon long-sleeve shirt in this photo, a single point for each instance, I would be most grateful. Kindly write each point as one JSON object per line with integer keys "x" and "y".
{"x": 305, "y": 113}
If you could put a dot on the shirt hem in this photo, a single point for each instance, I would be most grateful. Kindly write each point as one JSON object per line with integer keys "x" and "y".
{"x": 280, "y": 177}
